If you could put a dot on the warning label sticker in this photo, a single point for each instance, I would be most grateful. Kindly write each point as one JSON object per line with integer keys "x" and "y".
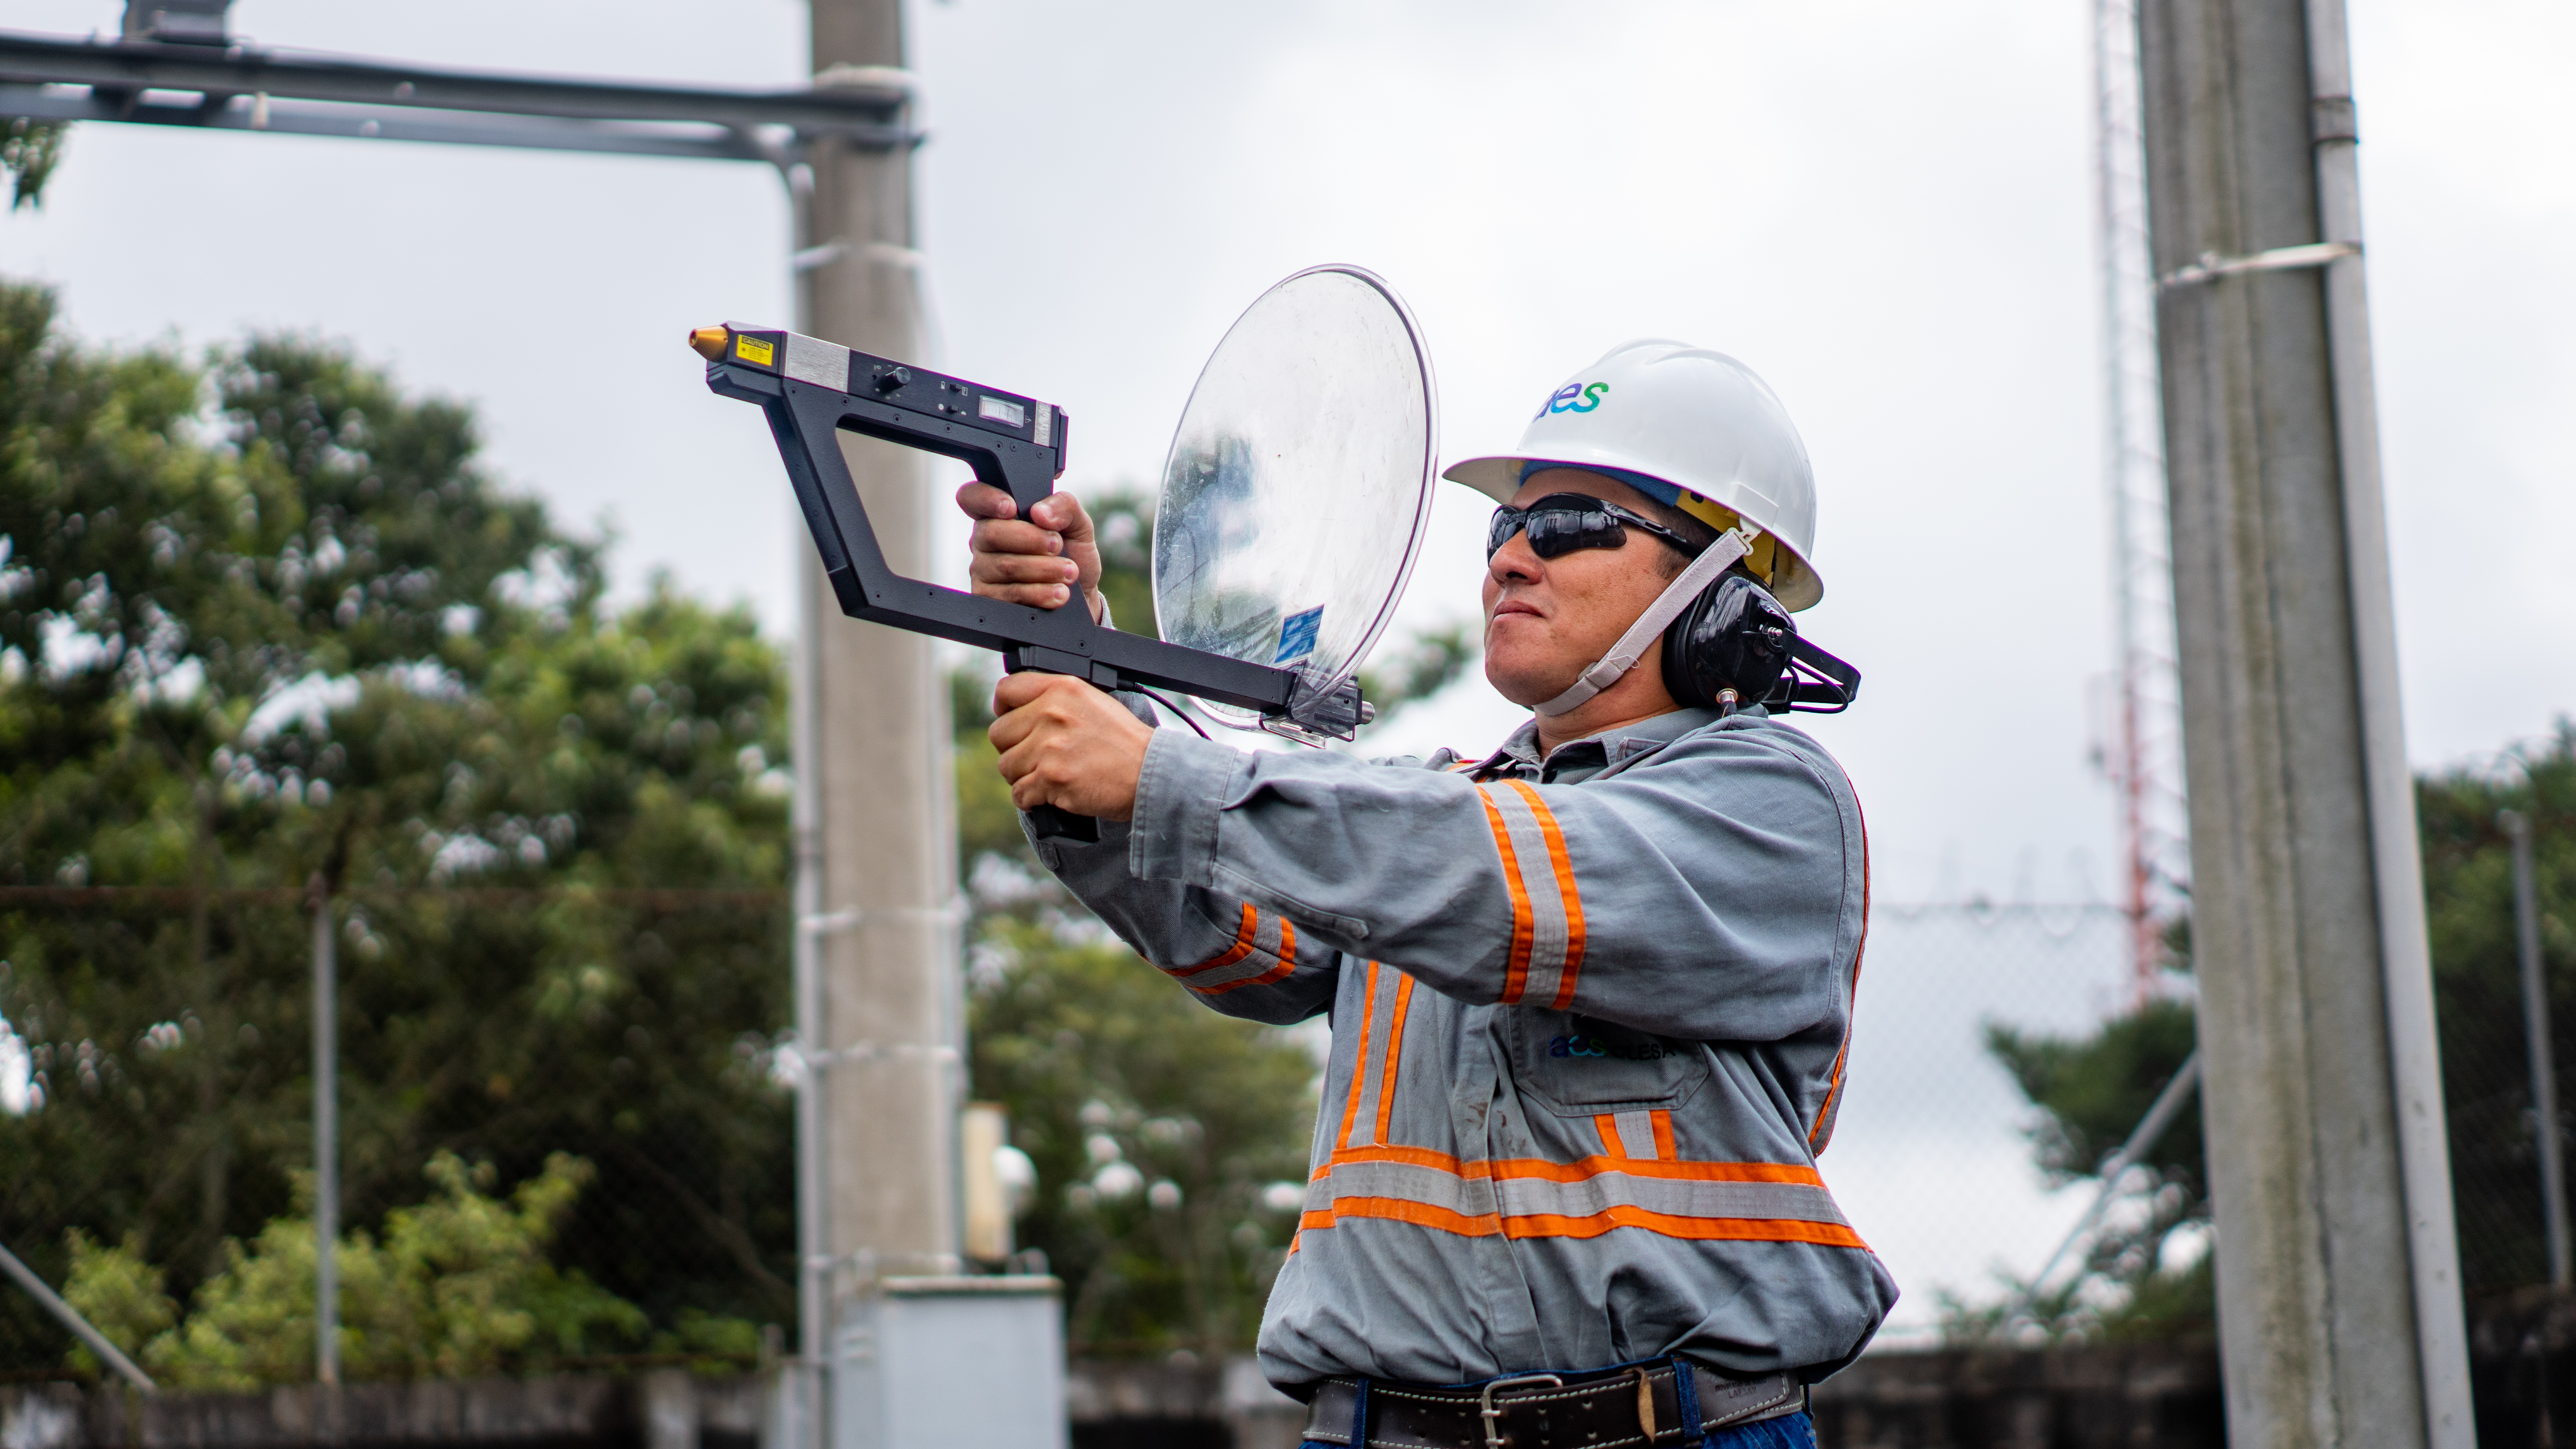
{"x": 1297, "y": 635}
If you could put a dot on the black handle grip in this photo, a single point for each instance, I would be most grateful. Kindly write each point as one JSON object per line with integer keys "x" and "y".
{"x": 1047, "y": 822}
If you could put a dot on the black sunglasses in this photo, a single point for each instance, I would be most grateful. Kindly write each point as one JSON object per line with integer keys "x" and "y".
{"x": 1560, "y": 523}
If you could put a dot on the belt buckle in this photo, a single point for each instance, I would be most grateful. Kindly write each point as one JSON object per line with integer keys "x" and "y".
{"x": 1486, "y": 1409}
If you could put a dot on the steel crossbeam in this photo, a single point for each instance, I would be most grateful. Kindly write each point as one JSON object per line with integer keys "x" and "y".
{"x": 243, "y": 88}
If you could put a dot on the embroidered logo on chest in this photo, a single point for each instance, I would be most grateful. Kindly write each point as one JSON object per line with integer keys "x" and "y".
{"x": 1575, "y": 1044}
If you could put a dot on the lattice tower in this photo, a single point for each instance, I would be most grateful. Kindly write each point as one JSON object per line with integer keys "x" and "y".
{"x": 2139, "y": 744}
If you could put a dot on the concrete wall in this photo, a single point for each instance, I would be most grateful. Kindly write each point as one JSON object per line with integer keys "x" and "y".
{"x": 2093, "y": 1398}
{"x": 2142, "y": 1397}
{"x": 1179, "y": 1403}
{"x": 2133, "y": 1398}
{"x": 2103, "y": 1397}
{"x": 665, "y": 1409}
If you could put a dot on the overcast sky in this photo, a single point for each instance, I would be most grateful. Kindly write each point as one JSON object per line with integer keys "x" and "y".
{"x": 1883, "y": 207}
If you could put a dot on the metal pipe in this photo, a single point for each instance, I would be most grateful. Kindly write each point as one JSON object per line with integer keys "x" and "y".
{"x": 855, "y": 101}
{"x": 107, "y": 1352}
{"x": 696, "y": 140}
{"x": 326, "y": 1141}
{"x": 2406, "y": 953}
{"x": 2142, "y": 1140}
{"x": 2535, "y": 1031}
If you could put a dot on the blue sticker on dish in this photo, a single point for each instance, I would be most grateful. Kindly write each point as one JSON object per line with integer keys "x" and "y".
{"x": 1297, "y": 635}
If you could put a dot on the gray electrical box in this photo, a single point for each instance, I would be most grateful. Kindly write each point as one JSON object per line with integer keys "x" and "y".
{"x": 952, "y": 1363}
{"x": 180, "y": 22}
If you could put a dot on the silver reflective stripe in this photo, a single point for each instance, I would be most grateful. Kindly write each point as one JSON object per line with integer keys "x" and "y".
{"x": 1680, "y": 1198}
{"x": 1586, "y": 1197}
{"x": 1636, "y": 1134}
{"x": 1467, "y": 1196}
{"x": 824, "y": 364}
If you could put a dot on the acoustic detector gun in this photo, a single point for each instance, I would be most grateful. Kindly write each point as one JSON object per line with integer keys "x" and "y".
{"x": 810, "y": 389}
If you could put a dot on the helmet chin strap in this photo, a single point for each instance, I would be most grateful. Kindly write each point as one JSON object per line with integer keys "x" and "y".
{"x": 1650, "y": 625}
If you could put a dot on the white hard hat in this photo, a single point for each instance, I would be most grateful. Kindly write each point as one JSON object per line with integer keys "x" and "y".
{"x": 1698, "y": 422}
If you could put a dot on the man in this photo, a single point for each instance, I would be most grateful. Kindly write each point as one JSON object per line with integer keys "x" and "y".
{"x": 1588, "y": 995}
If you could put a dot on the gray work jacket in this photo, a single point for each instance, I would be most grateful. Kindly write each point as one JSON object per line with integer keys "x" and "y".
{"x": 1588, "y": 1019}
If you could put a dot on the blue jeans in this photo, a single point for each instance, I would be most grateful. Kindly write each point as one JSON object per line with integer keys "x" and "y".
{"x": 1789, "y": 1431}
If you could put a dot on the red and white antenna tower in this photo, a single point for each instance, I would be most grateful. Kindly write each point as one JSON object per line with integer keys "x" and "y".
{"x": 2140, "y": 746}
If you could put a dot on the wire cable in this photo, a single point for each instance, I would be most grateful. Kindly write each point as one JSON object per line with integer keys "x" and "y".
{"x": 1176, "y": 709}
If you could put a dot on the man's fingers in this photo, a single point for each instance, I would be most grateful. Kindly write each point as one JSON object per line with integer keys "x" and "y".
{"x": 1011, "y": 535}
{"x": 1021, "y": 568}
{"x": 983, "y": 500}
{"x": 1061, "y": 742}
{"x": 1028, "y": 596}
{"x": 1021, "y": 563}
{"x": 1056, "y": 513}
{"x": 1029, "y": 792}
{"x": 1024, "y": 704}
{"x": 1063, "y": 513}
{"x": 1028, "y": 686}
{"x": 1014, "y": 720}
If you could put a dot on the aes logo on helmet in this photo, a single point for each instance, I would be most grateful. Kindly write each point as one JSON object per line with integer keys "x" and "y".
{"x": 1574, "y": 397}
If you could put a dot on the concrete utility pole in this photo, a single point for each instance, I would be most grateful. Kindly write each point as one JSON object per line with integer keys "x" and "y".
{"x": 876, "y": 834}
{"x": 2339, "y": 1305}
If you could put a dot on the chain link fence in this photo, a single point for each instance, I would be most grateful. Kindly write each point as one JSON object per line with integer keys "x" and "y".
{"x": 155, "y": 1091}
{"x": 1930, "y": 1158}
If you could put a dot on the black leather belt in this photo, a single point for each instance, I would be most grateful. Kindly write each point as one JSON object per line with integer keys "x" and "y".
{"x": 1638, "y": 1405}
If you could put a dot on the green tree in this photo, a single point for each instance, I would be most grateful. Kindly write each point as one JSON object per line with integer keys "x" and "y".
{"x": 461, "y": 1286}
{"x": 29, "y": 152}
{"x": 307, "y": 636}
{"x": 2092, "y": 1090}
{"x": 2468, "y": 887}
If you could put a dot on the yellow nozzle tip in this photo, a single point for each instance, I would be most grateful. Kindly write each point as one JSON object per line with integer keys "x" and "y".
{"x": 708, "y": 342}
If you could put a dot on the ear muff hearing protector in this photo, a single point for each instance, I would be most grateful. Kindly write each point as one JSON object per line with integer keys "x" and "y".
{"x": 1735, "y": 645}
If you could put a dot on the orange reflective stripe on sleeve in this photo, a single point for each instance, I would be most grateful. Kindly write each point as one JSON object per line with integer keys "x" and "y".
{"x": 1823, "y": 1130}
{"x": 1286, "y": 947}
{"x": 1264, "y": 950}
{"x": 1563, "y": 864}
{"x": 1241, "y": 948}
{"x": 1547, "y": 910}
{"x": 1516, "y": 966}
{"x": 1663, "y": 1128}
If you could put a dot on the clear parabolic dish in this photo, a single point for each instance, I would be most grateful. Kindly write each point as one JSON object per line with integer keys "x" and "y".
{"x": 1299, "y": 482}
